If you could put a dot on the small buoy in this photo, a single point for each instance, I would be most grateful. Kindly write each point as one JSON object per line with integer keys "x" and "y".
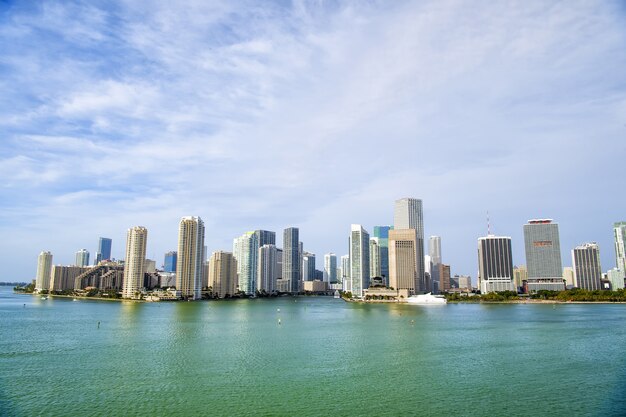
{"x": 98, "y": 325}
{"x": 279, "y": 322}
{"x": 278, "y": 309}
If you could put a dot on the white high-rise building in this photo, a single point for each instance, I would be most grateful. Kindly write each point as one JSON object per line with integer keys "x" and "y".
{"x": 543, "y": 255}
{"x": 134, "y": 264}
{"x": 245, "y": 250}
{"x": 346, "y": 284}
{"x": 408, "y": 214}
{"x": 292, "y": 258}
{"x": 375, "y": 258}
{"x": 434, "y": 249}
{"x": 330, "y": 267}
{"x": 619, "y": 232}
{"x": 268, "y": 268}
{"x": 359, "y": 260}
{"x": 44, "y": 270}
{"x": 586, "y": 265}
{"x": 82, "y": 258}
{"x": 308, "y": 266}
{"x": 495, "y": 264}
{"x": 190, "y": 257}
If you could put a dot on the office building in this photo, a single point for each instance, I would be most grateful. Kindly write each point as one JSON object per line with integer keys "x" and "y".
{"x": 308, "y": 266}
{"x": 465, "y": 282}
{"x": 44, "y": 270}
{"x": 586, "y": 265}
{"x": 495, "y": 264}
{"x": 543, "y": 255}
{"x": 444, "y": 277}
{"x": 170, "y": 261}
{"x": 359, "y": 260}
{"x": 375, "y": 264}
{"x": 408, "y": 214}
{"x": 134, "y": 263}
{"x": 403, "y": 274}
{"x": 291, "y": 258}
{"x": 268, "y": 268}
{"x": 245, "y": 250}
{"x": 619, "y": 234}
{"x": 345, "y": 273}
{"x": 520, "y": 274}
{"x": 223, "y": 274}
{"x": 616, "y": 277}
{"x": 104, "y": 250}
{"x": 330, "y": 267}
{"x": 82, "y": 258}
{"x": 382, "y": 233}
{"x": 190, "y": 256}
{"x": 569, "y": 277}
{"x": 434, "y": 249}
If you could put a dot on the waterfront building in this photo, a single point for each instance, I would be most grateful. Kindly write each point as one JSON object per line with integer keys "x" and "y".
{"x": 283, "y": 285}
{"x": 495, "y": 264}
{"x": 223, "y": 274}
{"x": 520, "y": 274}
{"x": 586, "y": 265}
{"x": 444, "y": 277}
{"x": 375, "y": 264}
{"x": 167, "y": 279}
{"x": 104, "y": 250}
{"x": 359, "y": 260}
{"x": 616, "y": 278}
{"x": 105, "y": 275}
{"x": 345, "y": 273}
{"x": 408, "y": 214}
{"x": 135, "y": 261}
{"x": 543, "y": 255}
{"x": 82, "y": 258}
{"x": 308, "y": 266}
{"x": 44, "y": 270}
{"x": 619, "y": 233}
{"x": 382, "y": 233}
{"x": 63, "y": 277}
{"x": 330, "y": 267}
{"x": 403, "y": 274}
{"x": 465, "y": 282}
{"x": 569, "y": 277}
{"x": 170, "y": 261}
{"x": 268, "y": 268}
{"x": 291, "y": 258}
{"x": 245, "y": 250}
{"x": 315, "y": 286}
{"x": 190, "y": 257}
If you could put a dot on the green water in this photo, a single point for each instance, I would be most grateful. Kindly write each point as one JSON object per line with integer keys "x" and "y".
{"x": 326, "y": 357}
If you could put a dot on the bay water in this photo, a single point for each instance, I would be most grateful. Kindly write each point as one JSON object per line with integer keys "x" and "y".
{"x": 310, "y": 356}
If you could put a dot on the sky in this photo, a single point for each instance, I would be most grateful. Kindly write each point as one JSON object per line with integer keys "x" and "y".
{"x": 312, "y": 114}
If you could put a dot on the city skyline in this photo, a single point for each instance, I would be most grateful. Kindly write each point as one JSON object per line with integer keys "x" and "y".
{"x": 310, "y": 115}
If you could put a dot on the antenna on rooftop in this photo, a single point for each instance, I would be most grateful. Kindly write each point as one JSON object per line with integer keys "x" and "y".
{"x": 488, "y": 225}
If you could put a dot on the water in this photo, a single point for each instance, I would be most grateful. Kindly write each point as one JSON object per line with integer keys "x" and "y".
{"x": 326, "y": 357}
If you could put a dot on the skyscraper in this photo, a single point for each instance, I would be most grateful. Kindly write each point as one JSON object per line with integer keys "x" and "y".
{"x": 619, "y": 232}
{"x": 346, "y": 284}
{"x": 291, "y": 258}
{"x": 408, "y": 215}
{"x": 134, "y": 264}
{"x": 44, "y": 270}
{"x": 495, "y": 264}
{"x": 586, "y": 265}
{"x": 403, "y": 260}
{"x": 245, "y": 250}
{"x": 223, "y": 274}
{"x": 520, "y": 274}
{"x": 104, "y": 250}
{"x": 267, "y": 269}
{"x": 543, "y": 255}
{"x": 82, "y": 258}
{"x": 308, "y": 266}
{"x": 434, "y": 249}
{"x": 170, "y": 261}
{"x": 375, "y": 255}
{"x": 190, "y": 257}
{"x": 330, "y": 267}
{"x": 359, "y": 260}
{"x": 382, "y": 233}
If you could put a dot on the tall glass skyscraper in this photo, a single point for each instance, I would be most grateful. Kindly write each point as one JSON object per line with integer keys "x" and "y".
{"x": 330, "y": 267}
{"x": 291, "y": 258}
{"x": 104, "y": 250}
{"x": 359, "y": 260}
{"x": 619, "y": 232}
{"x": 82, "y": 258}
{"x": 543, "y": 255}
{"x": 382, "y": 233}
{"x": 170, "y": 261}
{"x": 408, "y": 214}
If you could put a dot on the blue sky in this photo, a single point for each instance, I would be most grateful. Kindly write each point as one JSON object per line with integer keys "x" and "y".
{"x": 310, "y": 114}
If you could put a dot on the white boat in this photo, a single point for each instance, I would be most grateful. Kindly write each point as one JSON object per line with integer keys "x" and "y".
{"x": 427, "y": 299}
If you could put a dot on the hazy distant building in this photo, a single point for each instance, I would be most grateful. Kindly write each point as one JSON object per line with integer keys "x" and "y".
{"x": 543, "y": 255}
{"x": 104, "y": 250}
{"x": 223, "y": 274}
{"x": 245, "y": 250}
{"x": 150, "y": 266}
{"x": 465, "y": 282}
{"x": 520, "y": 274}
{"x": 190, "y": 257}
{"x": 308, "y": 266}
{"x": 268, "y": 268}
{"x": 586, "y": 265}
{"x": 44, "y": 270}
{"x": 495, "y": 264}
{"x": 434, "y": 249}
{"x": 403, "y": 273}
{"x": 345, "y": 273}
{"x": 382, "y": 233}
{"x": 375, "y": 258}
{"x": 63, "y": 277}
{"x": 291, "y": 258}
{"x": 170, "y": 261}
{"x": 444, "y": 277}
{"x": 134, "y": 263}
{"x": 619, "y": 233}
{"x": 82, "y": 258}
{"x": 359, "y": 259}
{"x": 408, "y": 215}
{"x": 330, "y": 267}
{"x": 569, "y": 277}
